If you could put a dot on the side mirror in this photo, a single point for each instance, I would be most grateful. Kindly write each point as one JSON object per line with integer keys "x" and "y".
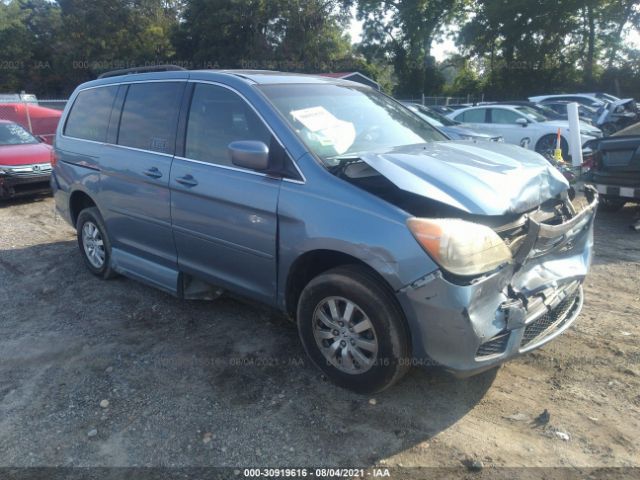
{"x": 249, "y": 154}
{"x": 522, "y": 121}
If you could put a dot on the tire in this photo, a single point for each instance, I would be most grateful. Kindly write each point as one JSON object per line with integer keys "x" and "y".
{"x": 355, "y": 364}
{"x": 90, "y": 227}
{"x": 547, "y": 144}
{"x": 612, "y": 204}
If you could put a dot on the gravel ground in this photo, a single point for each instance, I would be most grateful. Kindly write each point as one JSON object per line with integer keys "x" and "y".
{"x": 226, "y": 383}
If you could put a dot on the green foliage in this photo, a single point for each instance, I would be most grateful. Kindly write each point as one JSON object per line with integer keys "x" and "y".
{"x": 401, "y": 32}
{"x": 283, "y": 34}
{"x": 509, "y": 48}
{"x": 545, "y": 46}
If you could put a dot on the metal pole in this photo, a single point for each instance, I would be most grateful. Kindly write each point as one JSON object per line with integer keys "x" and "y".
{"x": 26, "y": 108}
{"x": 575, "y": 142}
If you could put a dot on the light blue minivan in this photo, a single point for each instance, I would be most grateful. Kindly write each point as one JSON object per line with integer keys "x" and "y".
{"x": 388, "y": 245}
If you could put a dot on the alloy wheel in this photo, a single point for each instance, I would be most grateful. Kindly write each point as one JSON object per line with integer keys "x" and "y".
{"x": 93, "y": 244}
{"x": 345, "y": 335}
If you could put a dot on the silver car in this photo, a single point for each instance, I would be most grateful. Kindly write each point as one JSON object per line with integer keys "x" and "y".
{"x": 387, "y": 244}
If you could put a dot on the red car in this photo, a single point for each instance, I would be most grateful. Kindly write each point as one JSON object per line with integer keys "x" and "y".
{"x": 40, "y": 121}
{"x": 25, "y": 162}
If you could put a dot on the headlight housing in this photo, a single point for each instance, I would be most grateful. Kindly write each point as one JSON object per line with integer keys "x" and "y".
{"x": 460, "y": 247}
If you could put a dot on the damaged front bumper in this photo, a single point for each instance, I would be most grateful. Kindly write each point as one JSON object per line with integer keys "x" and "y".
{"x": 473, "y": 327}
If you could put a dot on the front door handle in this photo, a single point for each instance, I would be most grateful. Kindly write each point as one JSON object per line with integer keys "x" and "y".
{"x": 153, "y": 172}
{"x": 187, "y": 181}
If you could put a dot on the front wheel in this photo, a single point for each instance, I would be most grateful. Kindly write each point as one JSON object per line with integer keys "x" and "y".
{"x": 94, "y": 243}
{"x": 547, "y": 145}
{"x": 353, "y": 330}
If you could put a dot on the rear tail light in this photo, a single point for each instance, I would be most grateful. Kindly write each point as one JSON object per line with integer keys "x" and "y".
{"x": 54, "y": 158}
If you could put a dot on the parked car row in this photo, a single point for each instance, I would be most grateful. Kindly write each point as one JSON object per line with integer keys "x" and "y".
{"x": 607, "y": 112}
{"x": 522, "y": 125}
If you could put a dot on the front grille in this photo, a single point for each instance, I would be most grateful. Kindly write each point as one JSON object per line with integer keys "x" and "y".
{"x": 551, "y": 321}
{"x": 495, "y": 346}
{"x": 28, "y": 170}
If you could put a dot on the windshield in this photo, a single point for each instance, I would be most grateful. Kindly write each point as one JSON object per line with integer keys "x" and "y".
{"x": 546, "y": 111}
{"x": 438, "y": 118}
{"x": 532, "y": 114}
{"x": 14, "y": 134}
{"x": 338, "y": 122}
{"x": 607, "y": 97}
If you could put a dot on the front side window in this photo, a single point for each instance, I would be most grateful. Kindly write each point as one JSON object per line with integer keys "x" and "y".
{"x": 89, "y": 116}
{"x": 501, "y": 115}
{"x": 531, "y": 114}
{"x": 218, "y": 117}
{"x": 14, "y": 134}
{"x": 437, "y": 117}
{"x": 337, "y": 121}
{"x": 150, "y": 115}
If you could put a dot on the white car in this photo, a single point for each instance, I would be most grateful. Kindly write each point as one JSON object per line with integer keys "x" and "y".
{"x": 586, "y": 99}
{"x": 521, "y": 125}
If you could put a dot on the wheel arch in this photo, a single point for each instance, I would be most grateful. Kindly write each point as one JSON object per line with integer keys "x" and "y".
{"x": 315, "y": 262}
{"x": 78, "y": 201}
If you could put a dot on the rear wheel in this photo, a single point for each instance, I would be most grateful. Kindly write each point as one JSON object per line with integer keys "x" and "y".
{"x": 353, "y": 330}
{"x": 94, "y": 243}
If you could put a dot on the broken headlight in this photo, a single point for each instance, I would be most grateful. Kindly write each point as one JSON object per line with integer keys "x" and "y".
{"x": 460, "y": 247}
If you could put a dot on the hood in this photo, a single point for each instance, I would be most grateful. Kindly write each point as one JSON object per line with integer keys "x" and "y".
{"x": 27, "y": 154}
{"x": 483, "y": 179}
{"x": 458, "y": 133}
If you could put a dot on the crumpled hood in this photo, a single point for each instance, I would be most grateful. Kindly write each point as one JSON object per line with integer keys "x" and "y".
{"x": 486, "y": 179}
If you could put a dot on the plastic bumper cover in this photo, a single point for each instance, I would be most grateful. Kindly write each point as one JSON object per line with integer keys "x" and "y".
{"x": 470, "y": 328}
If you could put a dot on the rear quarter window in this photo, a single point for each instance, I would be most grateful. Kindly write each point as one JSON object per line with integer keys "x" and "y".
{"x": 90, "y": 113}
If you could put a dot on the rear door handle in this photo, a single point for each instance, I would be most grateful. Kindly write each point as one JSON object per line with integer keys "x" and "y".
{"x": 187, "y": 181}
{"x": 153, "y": 172}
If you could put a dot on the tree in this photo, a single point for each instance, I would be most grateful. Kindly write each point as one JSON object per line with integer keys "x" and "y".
{"x": 402, "y": 32}
{"x": 281, "y": 34}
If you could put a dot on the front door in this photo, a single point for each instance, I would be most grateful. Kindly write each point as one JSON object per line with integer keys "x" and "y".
{"x": 224, "y": 218}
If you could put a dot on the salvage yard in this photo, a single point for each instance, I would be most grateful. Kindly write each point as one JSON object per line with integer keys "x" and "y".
{"x": 227, "y": 383}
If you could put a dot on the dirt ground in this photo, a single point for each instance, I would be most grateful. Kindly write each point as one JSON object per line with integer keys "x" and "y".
{"x": 226, "y": 383}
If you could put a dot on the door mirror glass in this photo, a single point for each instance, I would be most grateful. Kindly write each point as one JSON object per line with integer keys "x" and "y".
{"x": 249, "y": 154}
{"x": 522, "y": 121}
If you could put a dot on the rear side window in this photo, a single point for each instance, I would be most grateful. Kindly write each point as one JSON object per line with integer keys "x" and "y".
{"x": 218, "y": 117}
{"x": 90, "y": 113}
{"x": 472, "y": 116}
{"x": 150, "y": 115}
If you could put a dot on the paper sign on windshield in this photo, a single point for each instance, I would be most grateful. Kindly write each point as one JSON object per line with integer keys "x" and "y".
{"x": 339, "y": 133}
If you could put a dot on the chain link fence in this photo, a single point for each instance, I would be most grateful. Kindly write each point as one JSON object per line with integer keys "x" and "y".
{"x": 437, "y": 101}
